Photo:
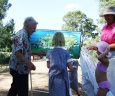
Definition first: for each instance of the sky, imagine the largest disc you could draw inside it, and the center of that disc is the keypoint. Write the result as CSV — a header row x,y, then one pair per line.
x,y
49,13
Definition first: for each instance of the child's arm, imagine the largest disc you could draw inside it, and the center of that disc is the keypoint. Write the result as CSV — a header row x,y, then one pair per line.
x,y
71,68
102,57
48,59
48,64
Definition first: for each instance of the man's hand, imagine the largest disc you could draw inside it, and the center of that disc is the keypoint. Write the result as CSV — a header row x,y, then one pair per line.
x,y
42,53
30,65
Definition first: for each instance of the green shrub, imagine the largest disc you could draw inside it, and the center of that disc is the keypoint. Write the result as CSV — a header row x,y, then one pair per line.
x,y
4,58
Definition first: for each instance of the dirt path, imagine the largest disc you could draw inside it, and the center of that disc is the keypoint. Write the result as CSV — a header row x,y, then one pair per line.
x,y
39,78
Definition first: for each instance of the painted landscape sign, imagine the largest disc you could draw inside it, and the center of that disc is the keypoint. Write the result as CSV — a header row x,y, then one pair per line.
x,y
42,39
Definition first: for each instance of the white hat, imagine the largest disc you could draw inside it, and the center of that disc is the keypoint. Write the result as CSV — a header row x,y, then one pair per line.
x,y
108,10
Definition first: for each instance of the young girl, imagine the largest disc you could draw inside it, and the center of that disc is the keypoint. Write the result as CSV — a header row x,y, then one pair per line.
x,y
103,53
58,59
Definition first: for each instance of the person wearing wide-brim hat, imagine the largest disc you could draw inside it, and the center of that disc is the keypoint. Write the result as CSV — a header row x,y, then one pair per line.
x,y
108,35
108,11
109,15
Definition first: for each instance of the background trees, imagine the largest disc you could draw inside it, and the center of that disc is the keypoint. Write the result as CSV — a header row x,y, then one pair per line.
x,y
78,21
6,30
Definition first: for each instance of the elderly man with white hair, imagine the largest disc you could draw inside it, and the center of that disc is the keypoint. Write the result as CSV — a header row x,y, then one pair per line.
x,y
20,61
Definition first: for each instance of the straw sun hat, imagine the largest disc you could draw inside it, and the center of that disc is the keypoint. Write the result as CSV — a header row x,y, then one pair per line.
x,y
108,10
102,47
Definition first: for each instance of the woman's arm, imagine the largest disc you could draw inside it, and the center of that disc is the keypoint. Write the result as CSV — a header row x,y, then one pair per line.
x,y
112,46
91,48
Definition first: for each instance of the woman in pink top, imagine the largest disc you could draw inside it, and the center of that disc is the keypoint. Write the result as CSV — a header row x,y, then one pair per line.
x,y
108,35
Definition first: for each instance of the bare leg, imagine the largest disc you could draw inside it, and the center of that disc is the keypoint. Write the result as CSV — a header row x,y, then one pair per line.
x,y
102,91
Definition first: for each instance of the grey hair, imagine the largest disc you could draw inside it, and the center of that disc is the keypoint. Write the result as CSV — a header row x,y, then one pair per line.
x,y
28,21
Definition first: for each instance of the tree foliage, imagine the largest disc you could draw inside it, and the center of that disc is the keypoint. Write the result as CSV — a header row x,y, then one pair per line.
x,y
6,30
4,6
105,3
78,21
